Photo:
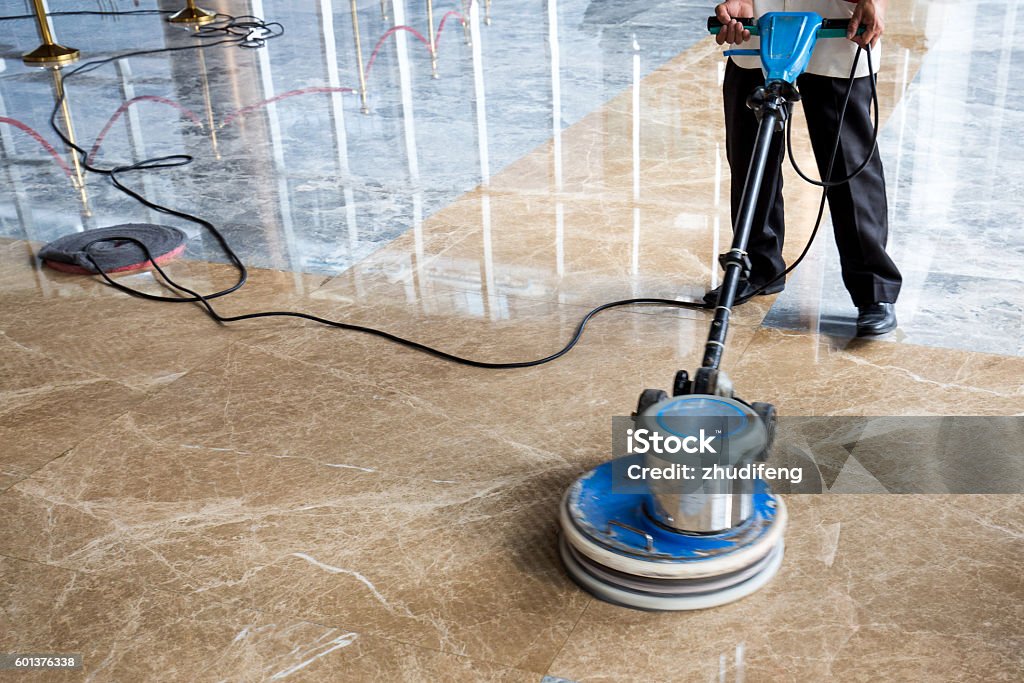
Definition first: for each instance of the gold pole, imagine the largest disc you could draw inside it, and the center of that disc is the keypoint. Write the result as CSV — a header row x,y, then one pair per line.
x,y
433,42
65,109
209,104
49,52
359,60
487,12
190,14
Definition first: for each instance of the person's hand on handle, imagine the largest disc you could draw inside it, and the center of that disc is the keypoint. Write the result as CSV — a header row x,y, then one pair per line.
x,y
871,13
732,31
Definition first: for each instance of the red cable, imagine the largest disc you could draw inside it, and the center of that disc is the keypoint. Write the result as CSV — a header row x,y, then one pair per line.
x,y
291,93
440,27
252,107
124,107
42,141
388,34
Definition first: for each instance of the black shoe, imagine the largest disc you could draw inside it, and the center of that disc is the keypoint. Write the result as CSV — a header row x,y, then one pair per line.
x,y
747,290
877,318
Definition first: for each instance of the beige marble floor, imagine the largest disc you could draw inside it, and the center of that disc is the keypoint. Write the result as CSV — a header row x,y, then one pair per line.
x,y
186,501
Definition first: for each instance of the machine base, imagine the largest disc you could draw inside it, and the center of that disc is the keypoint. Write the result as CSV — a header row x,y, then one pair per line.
x,y
614,548
627,591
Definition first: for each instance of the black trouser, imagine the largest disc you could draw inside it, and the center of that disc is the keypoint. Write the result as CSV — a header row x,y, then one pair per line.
x,y
859,208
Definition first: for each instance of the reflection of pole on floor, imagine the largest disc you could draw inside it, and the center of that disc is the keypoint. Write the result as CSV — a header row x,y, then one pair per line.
x,y
359,60
134,128
210,123
466,33
556,136
190,14
635,266
384,9
409,129
58,91
491,293
49,52
340,134
432,39
280,174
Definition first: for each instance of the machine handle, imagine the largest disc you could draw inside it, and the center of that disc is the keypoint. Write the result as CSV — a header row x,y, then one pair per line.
x,y
749,23
830,28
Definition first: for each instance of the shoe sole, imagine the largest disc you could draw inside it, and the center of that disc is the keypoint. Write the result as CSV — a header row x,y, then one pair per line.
x,y
767,292
870,332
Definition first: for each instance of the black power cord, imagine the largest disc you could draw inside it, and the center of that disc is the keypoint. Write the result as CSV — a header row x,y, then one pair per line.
x,y
252,32
244,31
91,12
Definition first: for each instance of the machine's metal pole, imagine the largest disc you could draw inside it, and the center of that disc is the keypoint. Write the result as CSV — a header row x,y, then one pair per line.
x,y
49,53
737,255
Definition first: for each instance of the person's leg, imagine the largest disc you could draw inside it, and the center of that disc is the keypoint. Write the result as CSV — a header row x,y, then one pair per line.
x,y
859,208
768,230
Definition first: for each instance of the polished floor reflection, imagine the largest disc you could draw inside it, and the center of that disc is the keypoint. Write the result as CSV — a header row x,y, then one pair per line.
x,y
276,500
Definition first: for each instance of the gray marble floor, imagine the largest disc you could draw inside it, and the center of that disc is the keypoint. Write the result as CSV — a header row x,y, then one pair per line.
x,y
300,180
307,182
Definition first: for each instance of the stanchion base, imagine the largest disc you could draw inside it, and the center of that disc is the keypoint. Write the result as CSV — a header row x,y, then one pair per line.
x,y
192,15
45,55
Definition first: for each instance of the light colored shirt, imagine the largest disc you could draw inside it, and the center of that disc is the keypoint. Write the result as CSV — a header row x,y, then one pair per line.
x,y
832,56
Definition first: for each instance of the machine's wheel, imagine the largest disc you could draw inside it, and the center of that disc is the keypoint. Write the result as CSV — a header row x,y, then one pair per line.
x,y
648,398
766,411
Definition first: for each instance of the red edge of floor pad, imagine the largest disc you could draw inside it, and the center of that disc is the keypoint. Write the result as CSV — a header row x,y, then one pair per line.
x,y
78,270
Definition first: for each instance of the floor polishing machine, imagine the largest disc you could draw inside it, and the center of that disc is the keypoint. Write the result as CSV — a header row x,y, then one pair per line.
x,y
631,532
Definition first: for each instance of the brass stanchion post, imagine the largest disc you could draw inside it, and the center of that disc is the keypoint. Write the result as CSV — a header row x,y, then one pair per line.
x,y
190,14
487,12
49,52
359,60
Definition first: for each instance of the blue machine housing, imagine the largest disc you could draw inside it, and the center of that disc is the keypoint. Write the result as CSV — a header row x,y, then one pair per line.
x,y
616,516
787,41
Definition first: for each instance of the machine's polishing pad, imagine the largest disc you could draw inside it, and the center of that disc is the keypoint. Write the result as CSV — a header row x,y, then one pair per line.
x,y
116,254
614,548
